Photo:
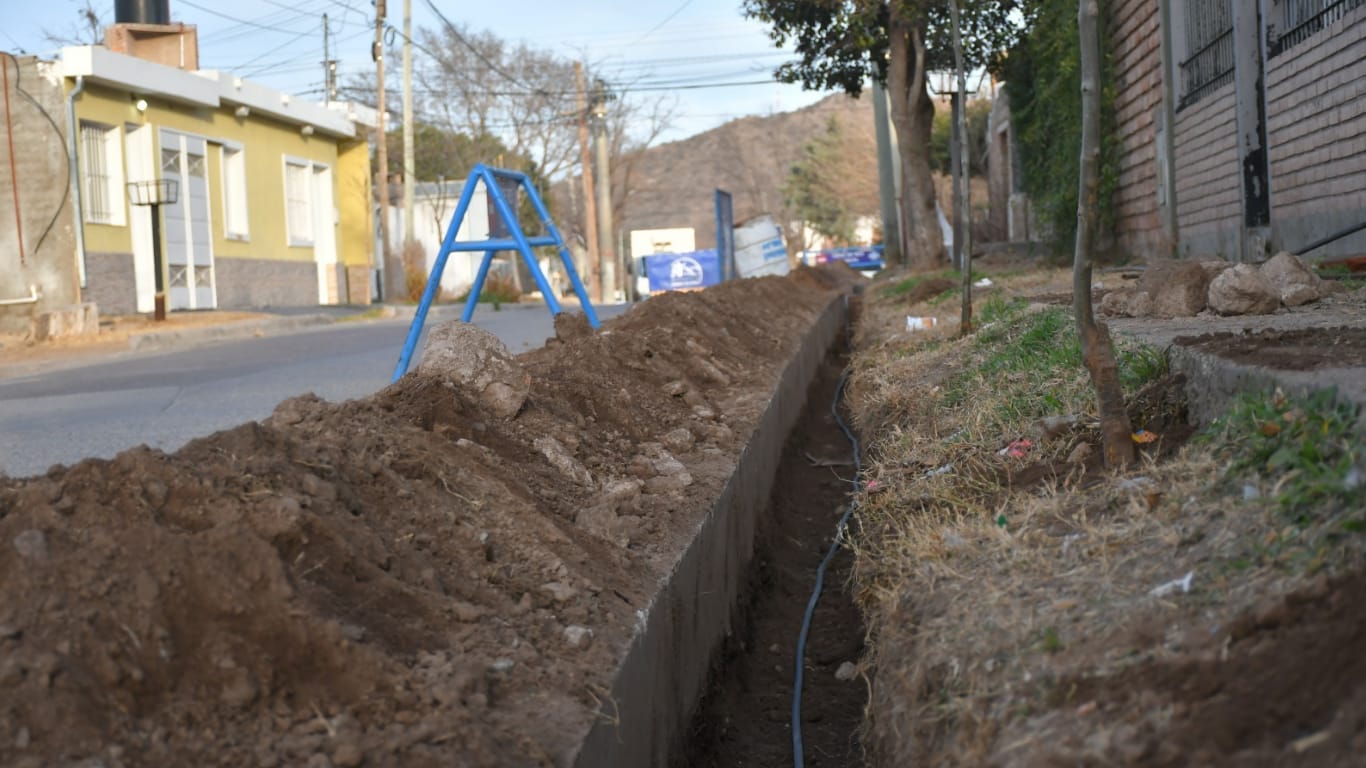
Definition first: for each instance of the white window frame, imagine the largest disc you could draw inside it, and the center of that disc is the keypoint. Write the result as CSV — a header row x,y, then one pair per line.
x,y
102,145
236,216
295,229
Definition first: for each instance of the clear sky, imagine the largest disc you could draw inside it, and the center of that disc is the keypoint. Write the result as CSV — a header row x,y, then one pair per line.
x,y
694,50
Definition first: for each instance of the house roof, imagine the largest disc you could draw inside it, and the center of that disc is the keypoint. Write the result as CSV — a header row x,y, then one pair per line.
x,y
204,88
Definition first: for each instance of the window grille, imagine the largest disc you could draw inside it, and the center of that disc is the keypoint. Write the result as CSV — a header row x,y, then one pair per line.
x,y
1209,49
1298,20
103,181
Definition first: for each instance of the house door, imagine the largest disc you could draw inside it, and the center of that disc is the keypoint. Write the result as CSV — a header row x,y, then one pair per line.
x,y
188,240
325,235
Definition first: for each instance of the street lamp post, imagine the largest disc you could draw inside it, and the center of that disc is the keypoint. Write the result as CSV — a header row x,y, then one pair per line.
x,y
155,193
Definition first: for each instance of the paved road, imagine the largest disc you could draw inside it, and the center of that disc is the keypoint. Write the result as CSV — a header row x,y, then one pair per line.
x,y
166,399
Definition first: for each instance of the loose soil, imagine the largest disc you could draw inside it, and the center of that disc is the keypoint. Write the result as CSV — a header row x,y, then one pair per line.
x,y
746,717
1300,350
405,579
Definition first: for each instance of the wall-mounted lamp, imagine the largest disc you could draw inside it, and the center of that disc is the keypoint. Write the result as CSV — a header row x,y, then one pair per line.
x,y
284,99
307,130
242,112
141,105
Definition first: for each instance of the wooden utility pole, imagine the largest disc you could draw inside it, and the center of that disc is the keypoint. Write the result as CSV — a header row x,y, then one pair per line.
x,y
409,164
590,215
393,268
611,275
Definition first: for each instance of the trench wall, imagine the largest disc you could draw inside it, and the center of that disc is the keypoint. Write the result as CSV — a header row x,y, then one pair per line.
x,y
662,677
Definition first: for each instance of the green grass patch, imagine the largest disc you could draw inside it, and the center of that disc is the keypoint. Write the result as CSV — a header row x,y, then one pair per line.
x,y
1029,364
905,286
1302,449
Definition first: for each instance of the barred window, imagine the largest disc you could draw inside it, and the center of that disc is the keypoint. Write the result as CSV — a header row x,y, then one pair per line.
x,y
1208,60
1294,21
102,168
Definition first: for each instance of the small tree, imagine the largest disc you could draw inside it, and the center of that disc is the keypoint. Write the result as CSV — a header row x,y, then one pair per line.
x,y
1097,349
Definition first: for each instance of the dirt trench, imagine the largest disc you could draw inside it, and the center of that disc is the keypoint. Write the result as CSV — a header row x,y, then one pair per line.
x,y
745,718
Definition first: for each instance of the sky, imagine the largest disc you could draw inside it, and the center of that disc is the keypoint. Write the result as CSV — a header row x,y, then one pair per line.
x,y
704,53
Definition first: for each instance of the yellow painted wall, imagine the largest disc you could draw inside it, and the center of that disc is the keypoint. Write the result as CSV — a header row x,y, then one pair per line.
x,y
266,142
355,217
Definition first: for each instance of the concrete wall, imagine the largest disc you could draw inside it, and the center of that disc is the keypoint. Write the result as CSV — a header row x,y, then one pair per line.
x,y
47,258
254,283
110,283
1316,108
1135,43
1209,206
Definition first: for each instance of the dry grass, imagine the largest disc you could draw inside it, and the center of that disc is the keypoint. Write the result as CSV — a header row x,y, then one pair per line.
x,y
985,602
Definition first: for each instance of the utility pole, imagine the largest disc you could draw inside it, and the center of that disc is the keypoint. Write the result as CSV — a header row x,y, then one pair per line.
x,y
590,214
393,268
409,165
329,66
886,178
604,184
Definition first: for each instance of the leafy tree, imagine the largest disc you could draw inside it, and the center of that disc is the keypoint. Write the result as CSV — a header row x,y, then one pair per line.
x,y
1043,83
840,43
941,137
827,188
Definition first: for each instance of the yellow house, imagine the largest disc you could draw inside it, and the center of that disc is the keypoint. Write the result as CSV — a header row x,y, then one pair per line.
x,y
273,204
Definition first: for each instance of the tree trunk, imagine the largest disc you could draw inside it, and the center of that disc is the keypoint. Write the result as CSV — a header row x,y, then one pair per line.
x,y
913,116
964,172
1097,349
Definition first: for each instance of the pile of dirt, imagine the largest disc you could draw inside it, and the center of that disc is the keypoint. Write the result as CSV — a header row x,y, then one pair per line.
x,y
422,577
1307,349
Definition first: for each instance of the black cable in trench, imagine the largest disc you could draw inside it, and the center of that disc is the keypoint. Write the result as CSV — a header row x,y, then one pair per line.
x,y
798,760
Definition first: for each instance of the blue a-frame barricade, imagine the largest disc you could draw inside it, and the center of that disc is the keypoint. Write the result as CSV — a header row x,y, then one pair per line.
x,y
516,241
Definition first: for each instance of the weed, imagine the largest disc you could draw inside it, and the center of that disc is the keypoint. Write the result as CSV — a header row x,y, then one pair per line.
x,y
906,286
1305,447
497,290
1051,642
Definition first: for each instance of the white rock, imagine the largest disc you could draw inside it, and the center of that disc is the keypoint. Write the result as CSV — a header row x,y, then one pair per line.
x,y
578,636
847,671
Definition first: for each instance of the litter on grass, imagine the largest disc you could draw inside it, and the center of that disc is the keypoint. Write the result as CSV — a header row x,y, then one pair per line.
x,y
1182,585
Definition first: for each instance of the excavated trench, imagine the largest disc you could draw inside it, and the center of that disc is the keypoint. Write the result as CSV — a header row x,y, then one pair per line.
x,y
745,717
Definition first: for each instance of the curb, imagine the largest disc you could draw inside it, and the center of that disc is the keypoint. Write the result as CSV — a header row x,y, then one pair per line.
x,y
158,340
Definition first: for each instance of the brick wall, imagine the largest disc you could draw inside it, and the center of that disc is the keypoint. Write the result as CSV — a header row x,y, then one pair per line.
x,y
256,283
110,282
1316,129
1209,203
1135,44
43,206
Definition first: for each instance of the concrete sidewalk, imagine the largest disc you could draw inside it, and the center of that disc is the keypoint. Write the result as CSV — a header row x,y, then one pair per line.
x,y
1213,381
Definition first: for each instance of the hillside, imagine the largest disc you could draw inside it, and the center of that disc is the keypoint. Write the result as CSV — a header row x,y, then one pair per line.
x,y
671,185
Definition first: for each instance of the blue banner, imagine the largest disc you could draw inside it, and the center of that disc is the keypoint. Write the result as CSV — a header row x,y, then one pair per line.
x,y
858,257
683,271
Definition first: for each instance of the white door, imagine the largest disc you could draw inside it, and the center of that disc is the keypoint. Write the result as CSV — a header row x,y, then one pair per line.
x,y
187,232
138,153
325,235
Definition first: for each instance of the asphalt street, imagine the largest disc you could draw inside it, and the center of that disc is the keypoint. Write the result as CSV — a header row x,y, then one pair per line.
x,y
166,399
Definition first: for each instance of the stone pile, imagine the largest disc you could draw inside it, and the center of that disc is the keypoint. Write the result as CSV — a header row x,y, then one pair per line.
x,y
1170,288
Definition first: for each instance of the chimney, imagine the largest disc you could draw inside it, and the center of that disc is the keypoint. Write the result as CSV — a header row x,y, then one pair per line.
x,y
143,28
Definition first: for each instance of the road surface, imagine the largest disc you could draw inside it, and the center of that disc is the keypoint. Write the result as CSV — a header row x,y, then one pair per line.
x,y
167,399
